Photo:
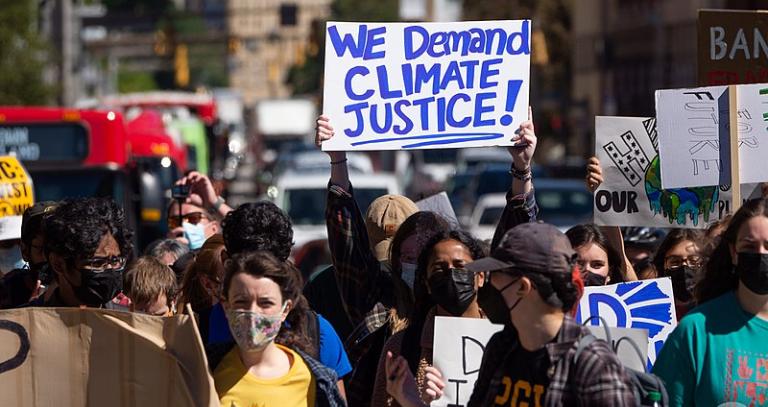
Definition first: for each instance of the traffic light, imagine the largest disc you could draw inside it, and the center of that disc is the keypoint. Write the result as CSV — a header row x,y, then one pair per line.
x,y
181,66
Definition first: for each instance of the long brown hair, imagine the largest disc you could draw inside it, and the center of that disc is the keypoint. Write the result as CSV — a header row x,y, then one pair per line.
x,y
719,276
209,265
264,264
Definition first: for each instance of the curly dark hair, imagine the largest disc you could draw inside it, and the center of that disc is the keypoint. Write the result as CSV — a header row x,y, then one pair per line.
x,y
583,234
258,226
411,348
293,333
75,228
719,274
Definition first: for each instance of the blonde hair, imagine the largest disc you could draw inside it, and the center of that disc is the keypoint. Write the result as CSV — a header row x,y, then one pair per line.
x,y
147,278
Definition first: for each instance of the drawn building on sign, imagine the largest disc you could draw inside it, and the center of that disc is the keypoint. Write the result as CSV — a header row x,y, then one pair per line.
x,y
630,158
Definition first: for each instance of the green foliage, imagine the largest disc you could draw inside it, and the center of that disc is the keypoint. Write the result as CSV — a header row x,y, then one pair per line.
x,y
132,81
22,56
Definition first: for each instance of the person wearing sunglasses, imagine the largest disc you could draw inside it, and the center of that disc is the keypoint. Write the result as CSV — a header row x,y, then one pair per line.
x,y
195,217
679,257
86,245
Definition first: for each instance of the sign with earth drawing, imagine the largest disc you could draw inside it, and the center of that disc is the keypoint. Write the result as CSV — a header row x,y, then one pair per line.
x,y
631,194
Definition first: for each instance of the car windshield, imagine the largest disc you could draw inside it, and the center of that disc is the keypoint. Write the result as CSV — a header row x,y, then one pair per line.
x,y
491,182
564,202
307,206
491,216
57,185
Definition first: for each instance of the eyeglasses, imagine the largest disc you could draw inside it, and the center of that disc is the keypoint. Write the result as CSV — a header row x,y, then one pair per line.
x,y
101,264
678,261
191,217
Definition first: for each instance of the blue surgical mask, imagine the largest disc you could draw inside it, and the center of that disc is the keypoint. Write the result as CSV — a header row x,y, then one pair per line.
x,y
10,259
408,273
195,234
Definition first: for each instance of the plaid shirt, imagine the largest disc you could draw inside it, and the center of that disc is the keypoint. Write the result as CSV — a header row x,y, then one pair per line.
x,y
597,380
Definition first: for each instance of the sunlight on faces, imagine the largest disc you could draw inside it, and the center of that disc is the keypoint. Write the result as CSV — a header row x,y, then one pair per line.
x,y
450,254
752,237
685,249
256,294
158,308
593,258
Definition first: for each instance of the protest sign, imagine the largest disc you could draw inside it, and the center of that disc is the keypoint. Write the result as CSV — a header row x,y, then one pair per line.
x,y
458,351
732,47
72,357
624,351
392,86
694,140
440,203
16,195
647,304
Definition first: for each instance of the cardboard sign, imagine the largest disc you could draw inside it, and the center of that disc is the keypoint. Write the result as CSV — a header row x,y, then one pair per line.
x,y
732,47
693,132
647,304
624,351
71,357
391,86
16,195
458,352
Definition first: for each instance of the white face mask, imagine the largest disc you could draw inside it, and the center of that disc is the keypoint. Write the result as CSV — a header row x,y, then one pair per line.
x,y
408,273
10,259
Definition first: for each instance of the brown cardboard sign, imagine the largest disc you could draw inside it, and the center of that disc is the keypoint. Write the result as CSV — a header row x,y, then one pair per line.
x,y
71,357
732,47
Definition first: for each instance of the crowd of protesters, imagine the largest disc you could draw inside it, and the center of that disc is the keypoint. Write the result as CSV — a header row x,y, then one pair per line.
x,y
364,334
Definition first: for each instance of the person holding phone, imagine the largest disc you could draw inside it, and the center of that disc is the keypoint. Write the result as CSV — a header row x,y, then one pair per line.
x,y
195,211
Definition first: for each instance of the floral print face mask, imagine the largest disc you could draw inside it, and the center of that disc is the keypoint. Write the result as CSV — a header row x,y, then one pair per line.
x,y
253,331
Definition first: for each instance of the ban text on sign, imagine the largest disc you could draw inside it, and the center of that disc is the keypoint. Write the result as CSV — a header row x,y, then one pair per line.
x,y
732,47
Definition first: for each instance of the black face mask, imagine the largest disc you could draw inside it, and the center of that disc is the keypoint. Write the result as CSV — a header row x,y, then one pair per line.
x,y
683,279
753,272
494,306
454,290
96,289
593,279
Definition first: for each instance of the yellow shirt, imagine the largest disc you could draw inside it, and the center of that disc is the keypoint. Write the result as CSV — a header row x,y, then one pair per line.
x,y
239,388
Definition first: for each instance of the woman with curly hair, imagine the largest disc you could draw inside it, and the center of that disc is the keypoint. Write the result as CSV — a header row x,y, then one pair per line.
x,y
268,366
717,354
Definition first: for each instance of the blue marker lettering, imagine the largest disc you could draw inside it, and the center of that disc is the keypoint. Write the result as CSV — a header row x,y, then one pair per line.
x,y
375,37
404,117
486,72
375,118
357,70
423,105
381,73
358,109
341,45
470,77
452,73
480,109
451,118
408,33
423,77
437,39
524,45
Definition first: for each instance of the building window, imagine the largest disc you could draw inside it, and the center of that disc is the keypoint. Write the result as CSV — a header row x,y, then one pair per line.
x,y
288,12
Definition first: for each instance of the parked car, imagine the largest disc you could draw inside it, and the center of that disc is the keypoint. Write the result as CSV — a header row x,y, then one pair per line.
x,y
562,202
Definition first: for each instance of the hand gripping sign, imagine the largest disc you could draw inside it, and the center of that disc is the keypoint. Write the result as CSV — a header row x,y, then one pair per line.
x,y
426,85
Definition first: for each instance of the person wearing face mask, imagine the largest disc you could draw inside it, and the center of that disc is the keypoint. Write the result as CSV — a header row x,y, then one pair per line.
x,y
443,287
196,218
679,257
86,243
531,287
717,353
599,261
268,365
372,290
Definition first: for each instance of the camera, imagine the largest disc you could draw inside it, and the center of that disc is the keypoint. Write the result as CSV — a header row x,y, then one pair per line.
x,y
180,191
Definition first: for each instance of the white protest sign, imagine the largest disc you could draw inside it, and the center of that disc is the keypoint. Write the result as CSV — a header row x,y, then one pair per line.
x,y
440,203
624,351
647,304
693,125
631,192
391,86
458,351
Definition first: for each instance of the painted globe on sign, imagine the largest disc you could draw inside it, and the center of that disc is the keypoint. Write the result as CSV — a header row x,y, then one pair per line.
x,y
678,204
